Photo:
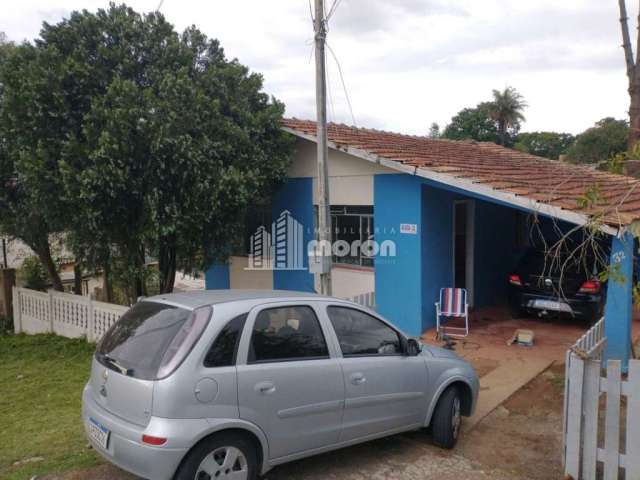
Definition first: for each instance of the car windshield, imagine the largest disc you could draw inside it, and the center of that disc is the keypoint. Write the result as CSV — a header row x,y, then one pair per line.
x,y
137,342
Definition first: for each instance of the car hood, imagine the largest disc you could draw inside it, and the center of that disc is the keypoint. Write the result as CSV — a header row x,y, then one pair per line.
x,y
439,352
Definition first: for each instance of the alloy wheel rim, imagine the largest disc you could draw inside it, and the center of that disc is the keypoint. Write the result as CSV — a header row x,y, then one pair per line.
x,y
456,417
223,462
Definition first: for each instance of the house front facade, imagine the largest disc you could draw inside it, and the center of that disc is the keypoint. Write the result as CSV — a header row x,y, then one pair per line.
x,y
411,215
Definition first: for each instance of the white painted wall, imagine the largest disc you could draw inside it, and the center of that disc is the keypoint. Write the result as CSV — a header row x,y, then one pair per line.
x,y
350,183
349,282
350,178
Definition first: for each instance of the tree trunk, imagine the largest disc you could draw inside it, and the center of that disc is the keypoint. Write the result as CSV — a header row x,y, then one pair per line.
x,y
167,264
502,132
107,287
43,251
634,115
77,278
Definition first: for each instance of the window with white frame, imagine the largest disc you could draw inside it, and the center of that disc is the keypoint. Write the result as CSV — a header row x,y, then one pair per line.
x,y
351,227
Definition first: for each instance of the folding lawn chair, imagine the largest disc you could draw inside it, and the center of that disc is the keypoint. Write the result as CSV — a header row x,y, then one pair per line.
x,y
452,305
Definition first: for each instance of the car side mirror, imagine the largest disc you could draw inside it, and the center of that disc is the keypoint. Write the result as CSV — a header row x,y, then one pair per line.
x,y
413,347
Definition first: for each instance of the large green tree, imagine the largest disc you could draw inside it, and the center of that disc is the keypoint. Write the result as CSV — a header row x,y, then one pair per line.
x,y
31,138
507,110
544,144
473,124
165,140
599,143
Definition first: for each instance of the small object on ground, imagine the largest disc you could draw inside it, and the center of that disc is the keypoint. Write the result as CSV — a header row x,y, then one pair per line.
x,y
522,337
28,460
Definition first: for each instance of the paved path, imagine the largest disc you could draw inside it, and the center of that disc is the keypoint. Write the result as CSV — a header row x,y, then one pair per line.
x,y
499,384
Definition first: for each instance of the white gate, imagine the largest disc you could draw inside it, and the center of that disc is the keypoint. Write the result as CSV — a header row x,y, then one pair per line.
x,y
602,413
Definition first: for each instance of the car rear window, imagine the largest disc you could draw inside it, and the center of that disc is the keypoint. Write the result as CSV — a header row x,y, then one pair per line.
x,y
138,341
537,262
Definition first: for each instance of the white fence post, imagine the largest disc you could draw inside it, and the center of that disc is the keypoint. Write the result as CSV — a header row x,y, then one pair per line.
x,y
17,323
50,312
633,422
90,323
612,421
574,417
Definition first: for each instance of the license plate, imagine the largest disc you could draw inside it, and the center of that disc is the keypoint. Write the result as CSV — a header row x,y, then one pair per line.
x,y
551,305
99,433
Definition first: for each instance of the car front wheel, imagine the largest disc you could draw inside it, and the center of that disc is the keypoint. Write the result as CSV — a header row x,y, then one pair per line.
x,y
223,456
447,419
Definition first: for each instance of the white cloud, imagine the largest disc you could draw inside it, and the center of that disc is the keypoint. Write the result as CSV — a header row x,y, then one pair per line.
x,y
408,63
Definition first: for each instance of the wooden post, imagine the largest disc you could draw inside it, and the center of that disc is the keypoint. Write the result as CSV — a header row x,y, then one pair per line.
x,y
7,282
17,311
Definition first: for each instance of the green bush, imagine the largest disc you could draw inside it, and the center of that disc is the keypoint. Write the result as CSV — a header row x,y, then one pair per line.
x,y
32,274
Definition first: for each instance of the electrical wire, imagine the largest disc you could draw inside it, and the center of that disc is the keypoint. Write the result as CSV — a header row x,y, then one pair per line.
x,y
332,10
332,110
159,5
344,85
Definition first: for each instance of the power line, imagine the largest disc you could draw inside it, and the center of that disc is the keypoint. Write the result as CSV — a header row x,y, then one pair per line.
x,y
332,10
344,85
159,5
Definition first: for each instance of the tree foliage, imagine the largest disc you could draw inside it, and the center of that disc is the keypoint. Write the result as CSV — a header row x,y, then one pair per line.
x,y
599,143
544,144
497,121
473,124
506,109
139,141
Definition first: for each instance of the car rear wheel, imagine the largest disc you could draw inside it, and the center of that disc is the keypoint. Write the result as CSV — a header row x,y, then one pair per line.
x,y
224,456
447,419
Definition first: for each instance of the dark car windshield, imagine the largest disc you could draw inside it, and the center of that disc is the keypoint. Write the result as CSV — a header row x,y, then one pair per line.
x,y
137,342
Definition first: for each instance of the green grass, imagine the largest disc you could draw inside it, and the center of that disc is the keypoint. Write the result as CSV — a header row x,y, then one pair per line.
x,y
41,382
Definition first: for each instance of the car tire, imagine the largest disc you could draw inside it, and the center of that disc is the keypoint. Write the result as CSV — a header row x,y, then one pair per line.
x,y
447,419
218,456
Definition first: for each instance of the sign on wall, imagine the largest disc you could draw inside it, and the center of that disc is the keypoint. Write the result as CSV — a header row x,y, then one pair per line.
x,y
409,228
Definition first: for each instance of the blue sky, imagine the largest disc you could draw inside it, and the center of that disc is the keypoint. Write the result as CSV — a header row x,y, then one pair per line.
x,y
408,63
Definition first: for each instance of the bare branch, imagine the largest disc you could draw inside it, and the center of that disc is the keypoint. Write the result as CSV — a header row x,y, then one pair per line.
x,y
626,40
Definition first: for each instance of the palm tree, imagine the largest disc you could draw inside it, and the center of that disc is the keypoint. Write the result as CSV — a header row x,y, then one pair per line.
x,y
506,110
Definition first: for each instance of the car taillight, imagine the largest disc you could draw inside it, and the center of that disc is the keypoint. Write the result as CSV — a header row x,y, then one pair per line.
x,y
155,441
515,280
184,341
590,286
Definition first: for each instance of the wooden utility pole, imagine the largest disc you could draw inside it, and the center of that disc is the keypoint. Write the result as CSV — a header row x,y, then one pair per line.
x,y
324,215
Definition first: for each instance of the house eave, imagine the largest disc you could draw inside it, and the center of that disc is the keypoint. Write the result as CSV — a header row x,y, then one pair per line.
x,y
467,185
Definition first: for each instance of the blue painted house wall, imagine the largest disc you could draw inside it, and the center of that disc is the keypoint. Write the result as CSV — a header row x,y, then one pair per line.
x,y
496,252
437,249
398,280
217,277
618,309
296,196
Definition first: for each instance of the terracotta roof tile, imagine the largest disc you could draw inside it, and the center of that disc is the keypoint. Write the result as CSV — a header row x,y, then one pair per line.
x,y
510,171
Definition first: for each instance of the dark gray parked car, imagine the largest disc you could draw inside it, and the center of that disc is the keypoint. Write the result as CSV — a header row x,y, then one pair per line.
x,y
228,384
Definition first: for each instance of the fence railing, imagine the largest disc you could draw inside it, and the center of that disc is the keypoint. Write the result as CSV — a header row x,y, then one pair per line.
x,y
601,413
64,314
364,299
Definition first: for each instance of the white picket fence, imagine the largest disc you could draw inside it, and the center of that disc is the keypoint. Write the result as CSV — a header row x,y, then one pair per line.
x,y
64,314
601,438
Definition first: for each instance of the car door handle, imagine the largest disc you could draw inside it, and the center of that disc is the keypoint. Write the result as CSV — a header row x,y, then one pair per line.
x,y
265,388
357,378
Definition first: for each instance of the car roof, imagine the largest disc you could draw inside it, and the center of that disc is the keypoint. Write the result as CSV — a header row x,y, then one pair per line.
x,y
201,298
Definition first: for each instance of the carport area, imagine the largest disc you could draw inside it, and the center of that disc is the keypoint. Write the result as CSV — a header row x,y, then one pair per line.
x,y
504,369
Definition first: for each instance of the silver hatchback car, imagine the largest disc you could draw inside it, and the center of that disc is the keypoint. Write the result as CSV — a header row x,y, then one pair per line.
x,y
230,383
